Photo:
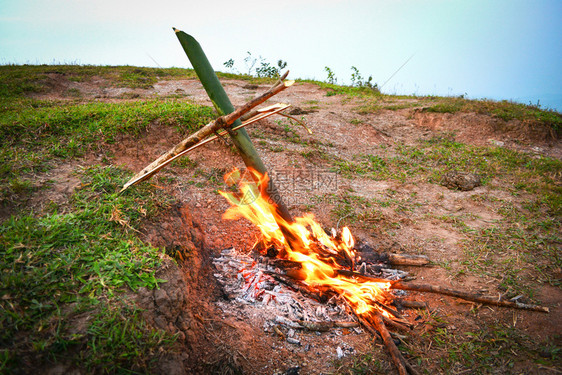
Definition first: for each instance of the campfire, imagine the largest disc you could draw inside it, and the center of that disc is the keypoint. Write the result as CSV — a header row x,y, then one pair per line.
x,y
354,282
317,260
310,260
301,255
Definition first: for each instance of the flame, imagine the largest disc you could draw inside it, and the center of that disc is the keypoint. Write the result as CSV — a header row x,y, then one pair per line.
x,y
316,251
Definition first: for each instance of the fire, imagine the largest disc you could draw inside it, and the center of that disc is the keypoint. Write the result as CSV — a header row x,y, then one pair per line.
x,y
315,250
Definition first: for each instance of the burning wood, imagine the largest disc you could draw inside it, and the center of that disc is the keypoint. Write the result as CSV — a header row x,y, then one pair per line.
x,y
250,282
323,266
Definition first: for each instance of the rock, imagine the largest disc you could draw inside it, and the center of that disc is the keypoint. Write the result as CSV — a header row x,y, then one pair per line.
x,y
160,322
299,111
496,143
250,87
172,365
461,180
160,297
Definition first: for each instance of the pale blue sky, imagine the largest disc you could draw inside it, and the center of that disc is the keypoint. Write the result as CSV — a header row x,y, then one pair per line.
x,y
505,49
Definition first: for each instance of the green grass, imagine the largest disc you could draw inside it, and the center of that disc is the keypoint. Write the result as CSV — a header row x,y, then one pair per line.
x,y
487,350
96,121
431,159
351,91
65,269
365,364
56,266
20,80
519,251
35,136
376,215
291,131
119,341
504,110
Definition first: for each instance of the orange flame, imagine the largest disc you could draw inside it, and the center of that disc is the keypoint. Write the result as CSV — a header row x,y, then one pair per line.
x,y
319,251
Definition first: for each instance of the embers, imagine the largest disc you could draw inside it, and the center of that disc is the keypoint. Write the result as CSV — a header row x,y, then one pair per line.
x,y
252,282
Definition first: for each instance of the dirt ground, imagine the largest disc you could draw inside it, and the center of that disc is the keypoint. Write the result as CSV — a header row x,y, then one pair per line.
x,y
215,339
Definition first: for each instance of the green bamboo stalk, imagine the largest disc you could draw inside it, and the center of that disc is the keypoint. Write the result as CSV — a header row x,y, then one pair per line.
x,y
222,103
218,97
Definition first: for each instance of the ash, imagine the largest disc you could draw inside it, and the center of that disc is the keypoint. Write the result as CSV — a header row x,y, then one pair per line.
x,y
250,283
298,320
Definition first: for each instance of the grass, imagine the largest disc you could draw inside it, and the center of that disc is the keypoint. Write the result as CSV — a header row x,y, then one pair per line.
x,y
370,105
35,136
486,350
18,80
504,250
373,102
369,363
66,269
291,133
57,266
351,91
504,110
431,159
381,214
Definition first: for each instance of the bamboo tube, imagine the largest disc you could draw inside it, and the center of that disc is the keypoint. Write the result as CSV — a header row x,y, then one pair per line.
x,y
223,105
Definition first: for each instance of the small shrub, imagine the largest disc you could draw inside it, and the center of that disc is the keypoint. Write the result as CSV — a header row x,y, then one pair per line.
x,y
331,76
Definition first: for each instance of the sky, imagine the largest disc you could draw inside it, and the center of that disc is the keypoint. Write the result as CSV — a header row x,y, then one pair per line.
x,y
495,49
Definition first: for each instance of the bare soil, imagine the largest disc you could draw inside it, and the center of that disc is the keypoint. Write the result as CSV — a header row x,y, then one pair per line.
x,y
212,340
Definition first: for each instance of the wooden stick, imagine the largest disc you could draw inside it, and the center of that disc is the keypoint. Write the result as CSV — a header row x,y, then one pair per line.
x,y
259,116
408,259
222,103
465,295
348,273
397,324
207,130
401,364
399,361
406,303
342,324
315,326
397,358
391,311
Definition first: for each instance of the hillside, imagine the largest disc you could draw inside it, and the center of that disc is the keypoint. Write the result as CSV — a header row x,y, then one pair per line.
x,y
97,282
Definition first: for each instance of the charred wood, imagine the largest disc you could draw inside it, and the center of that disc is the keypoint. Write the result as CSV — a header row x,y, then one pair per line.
x,y
401,364
466,296
408,260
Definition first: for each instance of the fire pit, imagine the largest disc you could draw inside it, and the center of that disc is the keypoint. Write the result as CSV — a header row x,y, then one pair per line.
x,y
316,282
